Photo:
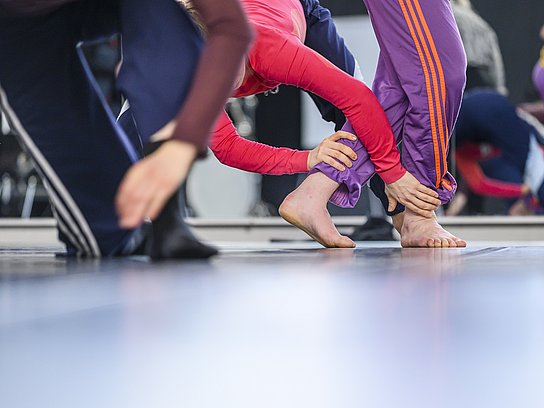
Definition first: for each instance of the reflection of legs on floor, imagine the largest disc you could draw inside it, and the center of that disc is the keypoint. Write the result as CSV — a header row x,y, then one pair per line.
x,y
306,208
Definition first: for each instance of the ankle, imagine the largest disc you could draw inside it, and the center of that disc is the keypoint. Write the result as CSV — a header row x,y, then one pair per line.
x,y
319,187
398,221
410,216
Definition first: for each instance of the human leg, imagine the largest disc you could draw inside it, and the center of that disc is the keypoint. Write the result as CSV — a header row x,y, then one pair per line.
x,y
306,208
423,43
64,125
156,81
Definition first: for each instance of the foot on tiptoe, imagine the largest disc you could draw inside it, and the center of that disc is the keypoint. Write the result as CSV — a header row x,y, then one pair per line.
x,y
304,211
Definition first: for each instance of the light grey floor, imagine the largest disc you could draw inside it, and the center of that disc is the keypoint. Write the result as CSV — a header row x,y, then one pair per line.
x,y
275,325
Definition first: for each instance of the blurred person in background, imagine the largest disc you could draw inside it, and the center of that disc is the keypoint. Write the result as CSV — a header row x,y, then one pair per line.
x,y
498,147
499,153
485,66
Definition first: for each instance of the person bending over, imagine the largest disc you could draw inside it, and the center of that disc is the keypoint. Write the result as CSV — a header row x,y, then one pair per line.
x,y
53,103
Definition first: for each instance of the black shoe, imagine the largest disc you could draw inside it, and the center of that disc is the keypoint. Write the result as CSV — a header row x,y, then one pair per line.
x,y
171,237
138,242
375,229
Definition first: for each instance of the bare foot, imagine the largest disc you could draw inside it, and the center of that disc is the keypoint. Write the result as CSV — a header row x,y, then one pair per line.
x,y
421,232
398,220
306,209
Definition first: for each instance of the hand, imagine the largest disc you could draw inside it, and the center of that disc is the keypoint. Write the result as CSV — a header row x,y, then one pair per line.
x,y
414,195
150,182
329,151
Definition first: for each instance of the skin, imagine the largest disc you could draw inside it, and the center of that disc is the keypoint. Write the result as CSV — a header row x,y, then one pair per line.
x,y
306,209
148,184
151,182
414,195
333,153
423,232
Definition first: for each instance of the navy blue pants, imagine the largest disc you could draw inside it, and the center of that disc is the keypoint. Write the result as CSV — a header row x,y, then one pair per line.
x,y
488,117
322,37
54,104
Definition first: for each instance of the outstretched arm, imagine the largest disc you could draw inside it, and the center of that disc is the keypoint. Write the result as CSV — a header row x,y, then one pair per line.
x,y
288,61
233,150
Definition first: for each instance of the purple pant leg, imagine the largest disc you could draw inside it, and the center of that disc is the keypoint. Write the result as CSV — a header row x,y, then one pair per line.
x,y
395,104
538,76
427,82
351,179
419,88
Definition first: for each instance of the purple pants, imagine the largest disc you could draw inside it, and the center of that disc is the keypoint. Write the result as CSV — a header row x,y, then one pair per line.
x,y
419,82
538,76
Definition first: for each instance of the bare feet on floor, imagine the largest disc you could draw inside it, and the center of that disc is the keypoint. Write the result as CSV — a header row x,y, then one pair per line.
x,y
306,209
420,232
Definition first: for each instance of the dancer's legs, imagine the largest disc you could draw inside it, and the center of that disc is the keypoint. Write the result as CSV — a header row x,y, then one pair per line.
x,y
52,104
419,82
422,58
306,208
159,61
432,53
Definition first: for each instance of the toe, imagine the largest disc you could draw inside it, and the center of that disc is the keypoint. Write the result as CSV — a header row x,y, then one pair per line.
x,y
460,243
345,242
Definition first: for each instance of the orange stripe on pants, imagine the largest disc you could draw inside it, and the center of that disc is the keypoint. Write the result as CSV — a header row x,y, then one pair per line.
x,y
415,39
438,106
445,141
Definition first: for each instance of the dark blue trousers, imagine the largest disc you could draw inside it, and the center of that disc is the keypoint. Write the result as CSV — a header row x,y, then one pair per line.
x,y
53,103
488,117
